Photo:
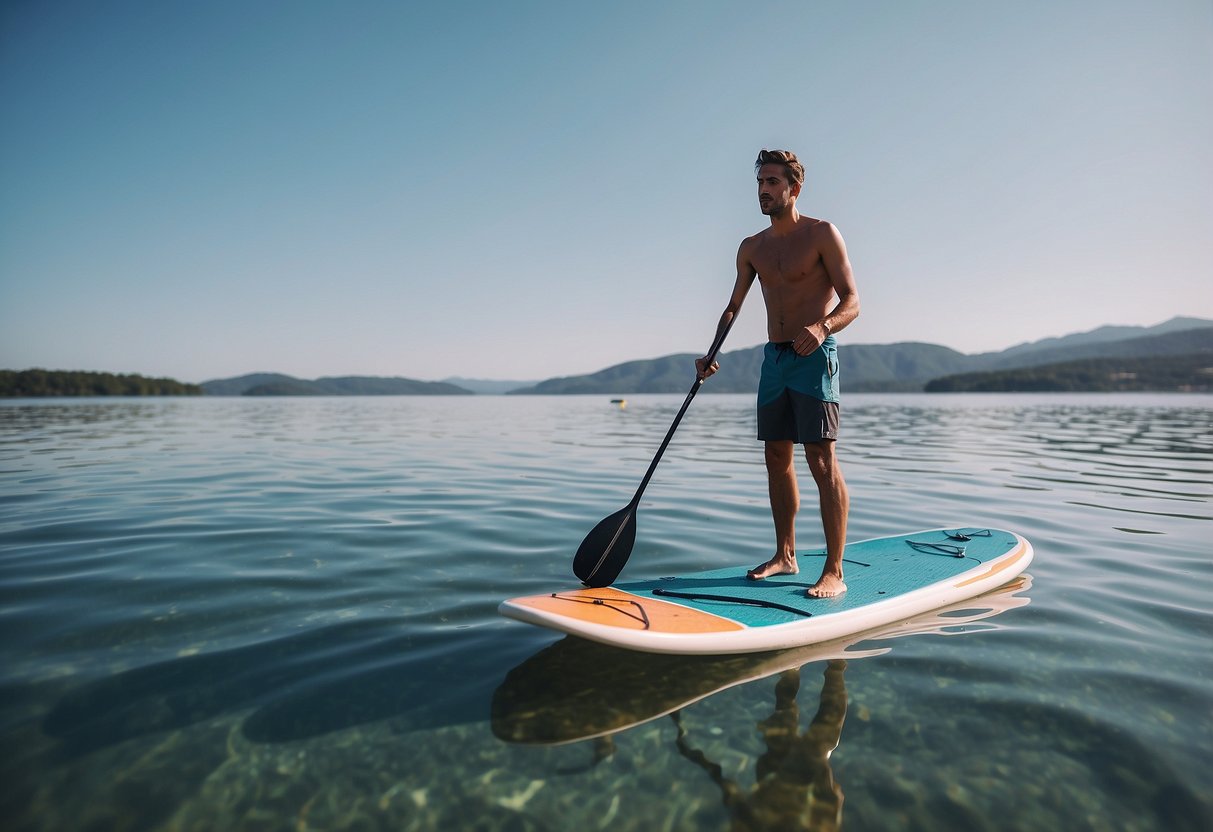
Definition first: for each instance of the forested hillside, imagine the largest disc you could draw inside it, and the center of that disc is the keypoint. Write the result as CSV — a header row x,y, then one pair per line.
x,y
39,383
1172,373
277,384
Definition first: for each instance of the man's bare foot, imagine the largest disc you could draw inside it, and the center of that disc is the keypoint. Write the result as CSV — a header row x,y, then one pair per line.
x,y
778,565
829,586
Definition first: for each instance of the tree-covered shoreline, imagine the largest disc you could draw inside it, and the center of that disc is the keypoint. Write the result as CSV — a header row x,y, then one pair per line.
x,y
1174,373
38,383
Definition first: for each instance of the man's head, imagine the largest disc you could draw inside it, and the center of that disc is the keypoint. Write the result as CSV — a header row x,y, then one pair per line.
x,y
793,171
780,176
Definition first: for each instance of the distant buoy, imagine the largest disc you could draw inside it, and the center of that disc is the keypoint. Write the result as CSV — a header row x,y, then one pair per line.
x,y
623,403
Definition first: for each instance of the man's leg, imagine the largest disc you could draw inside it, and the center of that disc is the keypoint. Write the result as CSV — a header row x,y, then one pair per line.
x,y
835,505
785,500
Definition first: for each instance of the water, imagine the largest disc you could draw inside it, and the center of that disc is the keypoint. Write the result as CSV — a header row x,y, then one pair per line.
x,y
281,614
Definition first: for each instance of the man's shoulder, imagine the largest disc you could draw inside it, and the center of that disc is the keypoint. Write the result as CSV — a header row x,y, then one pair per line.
x,y
822,233
755,239
813,225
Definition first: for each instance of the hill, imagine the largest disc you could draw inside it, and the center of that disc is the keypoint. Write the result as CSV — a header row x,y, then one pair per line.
x,y
904,367
276,384
895,368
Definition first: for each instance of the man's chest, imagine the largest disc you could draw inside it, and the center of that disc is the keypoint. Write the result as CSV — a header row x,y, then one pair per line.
x,y
790,261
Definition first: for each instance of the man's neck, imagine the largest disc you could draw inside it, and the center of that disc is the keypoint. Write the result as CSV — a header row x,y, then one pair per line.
x,y
785,222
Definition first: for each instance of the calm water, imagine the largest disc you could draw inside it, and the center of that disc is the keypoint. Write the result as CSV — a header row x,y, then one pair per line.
x,y
281,614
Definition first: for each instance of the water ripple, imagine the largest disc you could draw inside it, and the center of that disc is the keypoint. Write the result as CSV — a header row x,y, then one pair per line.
x,y
327,571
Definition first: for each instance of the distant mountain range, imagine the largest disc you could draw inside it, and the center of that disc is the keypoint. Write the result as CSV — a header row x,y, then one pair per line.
x,y
1176,355
903,367
1104,334
488,386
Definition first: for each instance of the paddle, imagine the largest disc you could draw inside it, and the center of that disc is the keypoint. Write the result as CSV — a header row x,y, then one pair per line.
x,y
606,549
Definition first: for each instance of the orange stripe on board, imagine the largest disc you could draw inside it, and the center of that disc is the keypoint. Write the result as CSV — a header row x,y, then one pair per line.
x,y
616,608
1006,563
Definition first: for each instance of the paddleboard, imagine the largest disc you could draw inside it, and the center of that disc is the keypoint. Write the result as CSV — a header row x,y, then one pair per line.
x,y
575,690
721,611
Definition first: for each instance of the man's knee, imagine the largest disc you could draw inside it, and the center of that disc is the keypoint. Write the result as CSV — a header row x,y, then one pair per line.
x,y
779,455
822,461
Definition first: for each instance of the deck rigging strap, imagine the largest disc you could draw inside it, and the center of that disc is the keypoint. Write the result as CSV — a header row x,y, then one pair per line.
x,y
609,603
948,549
732,599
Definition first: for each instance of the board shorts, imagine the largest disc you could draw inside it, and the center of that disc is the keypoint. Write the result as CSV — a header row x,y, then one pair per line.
x,y
798,394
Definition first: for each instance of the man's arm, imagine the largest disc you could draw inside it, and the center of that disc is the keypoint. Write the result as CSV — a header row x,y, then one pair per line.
x,y
838,267
745,279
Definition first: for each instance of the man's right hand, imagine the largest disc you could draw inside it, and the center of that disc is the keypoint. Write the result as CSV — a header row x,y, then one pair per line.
x,y
703,369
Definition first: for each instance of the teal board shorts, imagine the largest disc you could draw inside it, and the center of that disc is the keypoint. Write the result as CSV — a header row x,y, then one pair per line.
x,y
798,394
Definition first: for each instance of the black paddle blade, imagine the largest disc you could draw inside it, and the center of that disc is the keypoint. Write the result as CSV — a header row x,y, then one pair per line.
x,y
606,549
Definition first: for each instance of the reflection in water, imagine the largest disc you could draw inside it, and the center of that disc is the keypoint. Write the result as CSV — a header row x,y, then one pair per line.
x,y
580,690
795,788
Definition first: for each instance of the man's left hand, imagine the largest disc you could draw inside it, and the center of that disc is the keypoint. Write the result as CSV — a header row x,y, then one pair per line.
x,y
809,339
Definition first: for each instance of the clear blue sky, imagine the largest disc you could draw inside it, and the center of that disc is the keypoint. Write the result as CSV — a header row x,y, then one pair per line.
x,y
522,190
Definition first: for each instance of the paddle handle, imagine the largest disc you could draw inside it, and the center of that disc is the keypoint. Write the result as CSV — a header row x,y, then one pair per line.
x,y
711,356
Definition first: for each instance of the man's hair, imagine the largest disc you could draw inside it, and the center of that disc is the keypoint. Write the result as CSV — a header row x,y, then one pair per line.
x,y
791,165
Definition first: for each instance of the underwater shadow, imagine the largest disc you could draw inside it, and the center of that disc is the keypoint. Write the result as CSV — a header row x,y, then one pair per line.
x,y
300,686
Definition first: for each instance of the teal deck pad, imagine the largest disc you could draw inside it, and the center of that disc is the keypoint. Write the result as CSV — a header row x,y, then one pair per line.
x,y
874,571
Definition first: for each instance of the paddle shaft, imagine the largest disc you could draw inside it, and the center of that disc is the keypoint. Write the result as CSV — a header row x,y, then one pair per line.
x,y
605,550
711,356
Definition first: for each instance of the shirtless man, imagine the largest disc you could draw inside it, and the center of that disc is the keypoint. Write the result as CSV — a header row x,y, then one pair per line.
x,y
810,294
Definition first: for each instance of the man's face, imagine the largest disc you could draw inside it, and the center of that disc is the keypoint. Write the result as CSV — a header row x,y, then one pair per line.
x,y
775,192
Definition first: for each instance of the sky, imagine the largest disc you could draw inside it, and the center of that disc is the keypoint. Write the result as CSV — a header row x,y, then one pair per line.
x,y
522,190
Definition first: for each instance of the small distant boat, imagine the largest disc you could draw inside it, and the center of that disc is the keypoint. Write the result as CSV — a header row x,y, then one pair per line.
x,y
621,402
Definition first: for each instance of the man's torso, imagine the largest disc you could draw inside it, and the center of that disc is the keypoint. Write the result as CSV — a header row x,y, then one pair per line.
x,y
795,284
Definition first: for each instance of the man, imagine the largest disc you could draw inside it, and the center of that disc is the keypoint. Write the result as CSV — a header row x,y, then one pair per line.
x,y
810,294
